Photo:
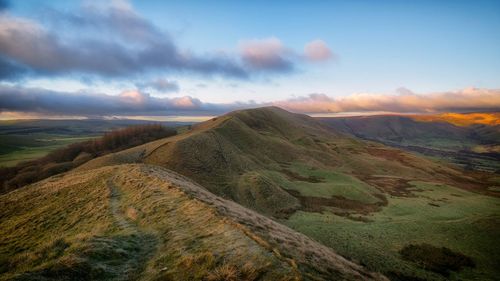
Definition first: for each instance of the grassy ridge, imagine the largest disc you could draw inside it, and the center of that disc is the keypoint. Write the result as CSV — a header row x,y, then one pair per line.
x,y
145,223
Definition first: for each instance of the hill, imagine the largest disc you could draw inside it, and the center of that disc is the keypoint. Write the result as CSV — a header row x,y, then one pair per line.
x,y
468,140
363,199
140,222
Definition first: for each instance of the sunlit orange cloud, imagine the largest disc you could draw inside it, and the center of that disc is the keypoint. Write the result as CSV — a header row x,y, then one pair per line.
x,y
405,101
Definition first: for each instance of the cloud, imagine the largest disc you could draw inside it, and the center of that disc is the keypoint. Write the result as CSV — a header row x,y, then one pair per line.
x,y
10,70
266,54
317,50
137,102
270,54
132,102
471,99
161,85
112,40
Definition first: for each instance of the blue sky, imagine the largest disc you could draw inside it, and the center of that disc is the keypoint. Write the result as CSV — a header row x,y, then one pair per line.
x,y
378,48
381,45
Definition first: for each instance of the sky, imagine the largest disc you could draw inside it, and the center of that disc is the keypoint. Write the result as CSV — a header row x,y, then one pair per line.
x,y
153,59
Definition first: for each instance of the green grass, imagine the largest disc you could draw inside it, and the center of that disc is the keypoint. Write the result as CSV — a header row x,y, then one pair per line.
x,y
441,143
19,148
332,183
464,222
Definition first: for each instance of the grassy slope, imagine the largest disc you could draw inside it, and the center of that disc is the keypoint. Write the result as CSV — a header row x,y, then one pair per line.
x,y
462,119
465,222
468,144
279,163
146,223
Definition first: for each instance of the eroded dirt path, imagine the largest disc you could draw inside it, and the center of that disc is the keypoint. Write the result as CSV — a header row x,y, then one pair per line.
x,y
114,205
134,245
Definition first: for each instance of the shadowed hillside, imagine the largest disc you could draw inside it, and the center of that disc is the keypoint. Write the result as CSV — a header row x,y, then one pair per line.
x,y
139,222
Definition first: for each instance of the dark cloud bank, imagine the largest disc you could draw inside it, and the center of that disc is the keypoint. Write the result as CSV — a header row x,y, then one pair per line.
x,y
114,41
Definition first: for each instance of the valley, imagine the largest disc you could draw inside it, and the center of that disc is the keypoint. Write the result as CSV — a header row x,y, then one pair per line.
x,y
468,140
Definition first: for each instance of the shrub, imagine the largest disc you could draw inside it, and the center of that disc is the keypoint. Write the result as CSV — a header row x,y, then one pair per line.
x,y
438,259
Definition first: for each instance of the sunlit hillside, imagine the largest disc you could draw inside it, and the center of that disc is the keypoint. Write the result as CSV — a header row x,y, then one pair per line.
x,y
461,119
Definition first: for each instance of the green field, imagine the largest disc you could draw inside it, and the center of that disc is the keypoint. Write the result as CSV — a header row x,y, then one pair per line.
x,y
23,140
18,148
439,215
326,183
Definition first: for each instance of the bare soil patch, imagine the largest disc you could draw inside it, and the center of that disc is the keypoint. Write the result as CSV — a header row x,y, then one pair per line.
x,y
297,177
318,204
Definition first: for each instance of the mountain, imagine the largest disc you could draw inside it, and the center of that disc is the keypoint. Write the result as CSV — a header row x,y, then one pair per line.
x,y
248,153
360,198
469,140
398,213
142,222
